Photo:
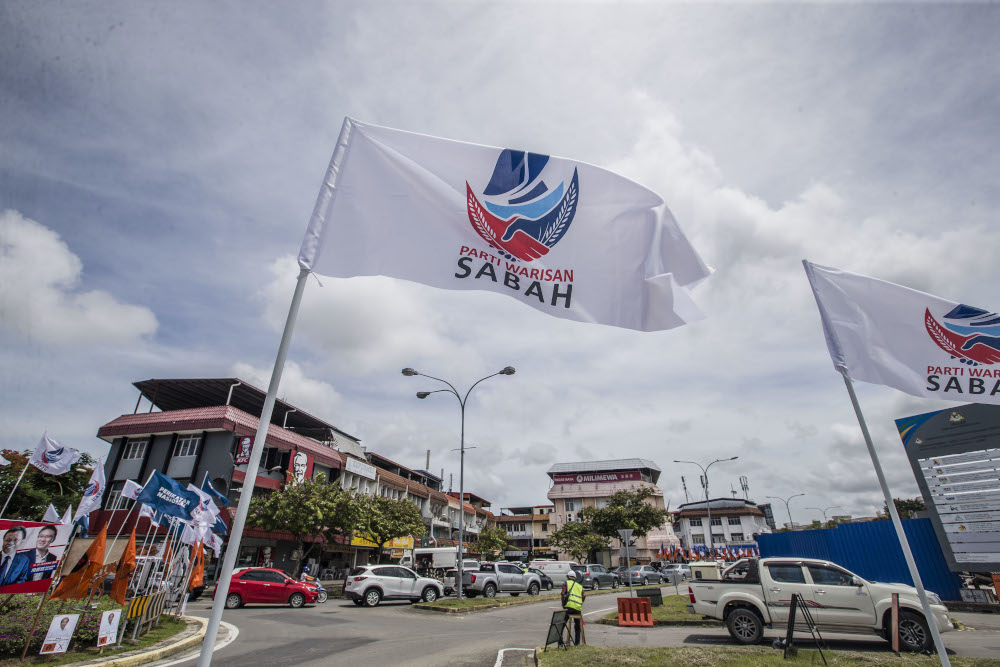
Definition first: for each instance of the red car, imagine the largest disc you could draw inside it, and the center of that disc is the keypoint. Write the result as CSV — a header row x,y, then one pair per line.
x,y
268,586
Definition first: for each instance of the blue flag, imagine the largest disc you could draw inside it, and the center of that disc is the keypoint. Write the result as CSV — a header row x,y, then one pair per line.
x,y
219,499
219,527
168,496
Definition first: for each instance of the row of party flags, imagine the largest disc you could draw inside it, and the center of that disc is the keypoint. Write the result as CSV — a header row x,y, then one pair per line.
x,y
673,553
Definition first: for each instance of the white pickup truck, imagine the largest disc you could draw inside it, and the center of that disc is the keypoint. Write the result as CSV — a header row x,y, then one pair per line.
x,y
754,593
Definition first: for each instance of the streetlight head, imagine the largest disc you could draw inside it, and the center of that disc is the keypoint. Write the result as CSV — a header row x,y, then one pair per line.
x,y
423,394
734,458
509,370
409,371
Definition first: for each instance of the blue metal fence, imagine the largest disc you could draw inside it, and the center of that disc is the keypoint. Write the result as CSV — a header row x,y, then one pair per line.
x,y
872,551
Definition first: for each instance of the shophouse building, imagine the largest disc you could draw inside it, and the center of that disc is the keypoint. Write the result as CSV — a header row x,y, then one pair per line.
x,y
529,529
590,484
735,523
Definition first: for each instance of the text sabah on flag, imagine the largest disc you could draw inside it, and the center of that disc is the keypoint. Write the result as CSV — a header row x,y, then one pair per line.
x,y
570,239
888,334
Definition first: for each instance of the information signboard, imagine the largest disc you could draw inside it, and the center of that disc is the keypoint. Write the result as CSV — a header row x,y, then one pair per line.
x,y
955,456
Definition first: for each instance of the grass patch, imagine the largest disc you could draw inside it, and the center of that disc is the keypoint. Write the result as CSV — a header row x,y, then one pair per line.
x,y
735,656
673,611
169,626
479,602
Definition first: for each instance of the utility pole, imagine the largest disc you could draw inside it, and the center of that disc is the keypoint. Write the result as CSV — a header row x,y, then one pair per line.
x,y
684,484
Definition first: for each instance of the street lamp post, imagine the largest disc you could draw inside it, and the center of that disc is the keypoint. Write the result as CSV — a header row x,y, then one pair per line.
x,y
708,503
824,511
509,370
787,508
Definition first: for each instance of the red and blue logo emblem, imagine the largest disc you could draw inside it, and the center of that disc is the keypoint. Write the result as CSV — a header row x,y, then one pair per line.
x,y
52,456
969,334
520,214
93,489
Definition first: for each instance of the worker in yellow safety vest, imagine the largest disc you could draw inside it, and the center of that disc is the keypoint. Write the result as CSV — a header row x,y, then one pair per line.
x,y
572,602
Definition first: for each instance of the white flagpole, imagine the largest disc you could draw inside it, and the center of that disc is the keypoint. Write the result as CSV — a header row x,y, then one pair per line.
x,y
135,504
236,534
16,484
898,525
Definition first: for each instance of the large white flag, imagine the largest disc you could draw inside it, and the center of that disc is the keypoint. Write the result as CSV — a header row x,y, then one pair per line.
x,y
51,457
91,499
51,515
888,334
131,490
570,239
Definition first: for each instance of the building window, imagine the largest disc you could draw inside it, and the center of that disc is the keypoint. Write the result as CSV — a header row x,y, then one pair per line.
x,y
734,521
695,522
135,450
602,503
716,522
187,445
545,526
697,539
114,493
572,504
736,537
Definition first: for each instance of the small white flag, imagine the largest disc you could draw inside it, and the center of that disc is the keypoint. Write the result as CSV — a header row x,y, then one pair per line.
x,y
3,461
92,495
214,542
51,457
131,490
207,511
194,533
67,518
884,333
149,513
51,515
567,238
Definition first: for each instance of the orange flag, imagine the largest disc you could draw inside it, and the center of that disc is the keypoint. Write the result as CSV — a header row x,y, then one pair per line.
x,y
198,571
75,585
126,565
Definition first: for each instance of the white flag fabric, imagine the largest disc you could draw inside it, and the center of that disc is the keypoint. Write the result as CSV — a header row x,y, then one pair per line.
x,y
884,333
567,238
51,515
131,490
67,518
92,495
149,513
3,461
207,511
214,542
51,457
194,533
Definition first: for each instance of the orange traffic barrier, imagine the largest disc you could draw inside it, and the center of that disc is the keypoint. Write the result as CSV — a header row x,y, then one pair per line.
x,y
635,612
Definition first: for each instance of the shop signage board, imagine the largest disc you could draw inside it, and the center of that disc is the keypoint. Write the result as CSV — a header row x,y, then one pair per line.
x,y
358,468
599,477
955,456
395,543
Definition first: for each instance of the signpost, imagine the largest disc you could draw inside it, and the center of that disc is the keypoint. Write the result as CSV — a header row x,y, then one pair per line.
x,y
626,537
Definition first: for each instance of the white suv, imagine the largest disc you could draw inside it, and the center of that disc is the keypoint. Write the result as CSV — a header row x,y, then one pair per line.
x,y
370,584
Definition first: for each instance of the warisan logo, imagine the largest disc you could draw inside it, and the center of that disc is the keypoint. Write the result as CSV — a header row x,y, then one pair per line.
x,y
970,336
52,456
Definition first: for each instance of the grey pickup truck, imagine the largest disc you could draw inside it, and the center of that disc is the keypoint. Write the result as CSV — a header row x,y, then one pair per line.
x,y
493,578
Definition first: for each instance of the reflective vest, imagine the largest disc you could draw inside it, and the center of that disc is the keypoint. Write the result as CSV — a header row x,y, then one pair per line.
x,y
574,595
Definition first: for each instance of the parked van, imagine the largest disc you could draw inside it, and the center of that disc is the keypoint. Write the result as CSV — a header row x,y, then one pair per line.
x,y
555,569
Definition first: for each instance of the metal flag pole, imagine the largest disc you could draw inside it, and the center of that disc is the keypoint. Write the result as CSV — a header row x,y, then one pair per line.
x,y
122,526
898,525
236,533
16,484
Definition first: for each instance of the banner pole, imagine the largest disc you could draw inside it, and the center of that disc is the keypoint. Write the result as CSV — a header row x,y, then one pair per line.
x,y
898,525
16,484
236,533
135,503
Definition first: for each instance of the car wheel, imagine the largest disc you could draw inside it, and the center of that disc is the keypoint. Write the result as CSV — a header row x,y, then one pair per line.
x,y
745,626
430,594
595,585
614,583
549,586
914,635
645,581
372,597
533,589
490,591
296,600
233,600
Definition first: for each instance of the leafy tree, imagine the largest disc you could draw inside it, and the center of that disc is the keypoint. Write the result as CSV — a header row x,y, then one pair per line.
x,y
493,541
578,538
382,519
37,489
313,510
905,507
626,509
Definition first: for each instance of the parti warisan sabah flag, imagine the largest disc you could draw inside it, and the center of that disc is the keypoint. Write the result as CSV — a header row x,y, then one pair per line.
x,y
570,239
884,333
51,457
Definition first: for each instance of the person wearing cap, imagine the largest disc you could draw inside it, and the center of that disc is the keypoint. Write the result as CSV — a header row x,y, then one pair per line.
x,y
572,601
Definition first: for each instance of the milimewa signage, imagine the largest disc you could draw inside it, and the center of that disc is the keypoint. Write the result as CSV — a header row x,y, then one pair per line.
x,y
583,478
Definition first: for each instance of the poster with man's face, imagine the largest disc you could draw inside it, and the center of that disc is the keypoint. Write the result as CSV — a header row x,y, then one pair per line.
x,y
60,633
299,463
30,554
108,630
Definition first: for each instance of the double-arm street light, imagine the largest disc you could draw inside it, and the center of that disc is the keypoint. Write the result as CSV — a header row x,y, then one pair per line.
x,y
791,524
824,511
708,503
509,370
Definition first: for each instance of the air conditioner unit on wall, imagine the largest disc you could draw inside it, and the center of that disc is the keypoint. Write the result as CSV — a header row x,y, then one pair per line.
x,y
569,518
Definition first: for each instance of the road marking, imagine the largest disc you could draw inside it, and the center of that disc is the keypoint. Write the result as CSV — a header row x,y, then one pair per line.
x,y
500,653
234,632
599,611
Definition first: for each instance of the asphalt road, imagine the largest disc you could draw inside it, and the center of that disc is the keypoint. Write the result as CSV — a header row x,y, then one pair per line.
x,y
339,633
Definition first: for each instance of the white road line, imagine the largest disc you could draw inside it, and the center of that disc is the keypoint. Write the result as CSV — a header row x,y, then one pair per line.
x,y
234,632
500,653
600,611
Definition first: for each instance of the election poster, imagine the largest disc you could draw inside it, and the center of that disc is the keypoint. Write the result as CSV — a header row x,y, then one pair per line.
x,y
108,630
31,552
60,633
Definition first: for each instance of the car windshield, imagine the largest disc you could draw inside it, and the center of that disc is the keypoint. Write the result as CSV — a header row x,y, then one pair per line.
x,y
358,570
579,568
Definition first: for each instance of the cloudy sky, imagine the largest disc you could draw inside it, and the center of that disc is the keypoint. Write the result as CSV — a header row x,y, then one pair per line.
x,y
159,161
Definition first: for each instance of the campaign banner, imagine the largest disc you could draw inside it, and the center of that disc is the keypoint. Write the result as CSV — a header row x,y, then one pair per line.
x,y
60,633
168,496
600,477
107,633
31,552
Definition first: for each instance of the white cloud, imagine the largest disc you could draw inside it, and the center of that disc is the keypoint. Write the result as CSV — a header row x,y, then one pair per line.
x,y
317,397
40,296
